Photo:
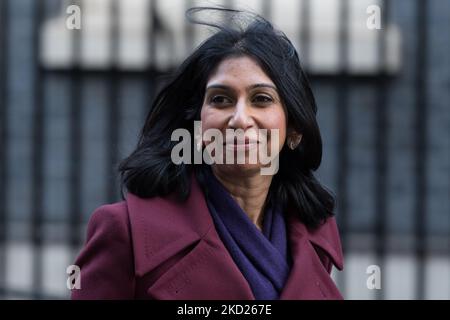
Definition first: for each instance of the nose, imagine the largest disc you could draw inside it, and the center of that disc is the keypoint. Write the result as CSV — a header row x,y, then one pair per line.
x,y
242,117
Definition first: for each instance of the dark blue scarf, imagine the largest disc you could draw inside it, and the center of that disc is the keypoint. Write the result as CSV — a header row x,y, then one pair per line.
x,y
262,257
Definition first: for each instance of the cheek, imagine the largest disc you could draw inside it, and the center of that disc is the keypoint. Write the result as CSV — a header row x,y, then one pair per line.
x,y
207,118
277,120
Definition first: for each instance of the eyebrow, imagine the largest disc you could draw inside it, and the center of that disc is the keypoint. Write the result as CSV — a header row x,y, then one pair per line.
x,y
253,86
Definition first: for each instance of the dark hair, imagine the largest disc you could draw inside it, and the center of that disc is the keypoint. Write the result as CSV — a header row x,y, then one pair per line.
x,y
149,170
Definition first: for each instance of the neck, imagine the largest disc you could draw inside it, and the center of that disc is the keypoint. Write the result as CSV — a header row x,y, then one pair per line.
x,y
249,191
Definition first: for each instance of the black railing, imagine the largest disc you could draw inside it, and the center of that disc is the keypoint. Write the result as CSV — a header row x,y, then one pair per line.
x,y
381,151
4,114
38,147
421,117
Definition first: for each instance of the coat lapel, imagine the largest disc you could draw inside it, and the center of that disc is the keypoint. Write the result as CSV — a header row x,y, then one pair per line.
x,y
179,244
205,273
313,253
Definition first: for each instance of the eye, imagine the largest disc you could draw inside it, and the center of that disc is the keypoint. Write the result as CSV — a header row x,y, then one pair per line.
x,y
220,100
262,99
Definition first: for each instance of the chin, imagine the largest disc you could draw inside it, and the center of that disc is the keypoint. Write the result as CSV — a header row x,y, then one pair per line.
x,y
240,169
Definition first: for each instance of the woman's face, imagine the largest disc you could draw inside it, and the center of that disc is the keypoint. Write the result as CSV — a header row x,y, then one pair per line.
x,y
240,95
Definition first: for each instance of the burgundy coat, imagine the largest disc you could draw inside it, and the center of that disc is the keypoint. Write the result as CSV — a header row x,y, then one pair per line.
x,y
160,249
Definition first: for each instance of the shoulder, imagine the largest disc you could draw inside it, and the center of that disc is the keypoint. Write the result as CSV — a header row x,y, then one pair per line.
x,y
106,259
161,226
109,219
110,212
166,217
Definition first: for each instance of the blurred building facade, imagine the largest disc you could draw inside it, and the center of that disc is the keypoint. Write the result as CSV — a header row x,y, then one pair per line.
x,y
72,103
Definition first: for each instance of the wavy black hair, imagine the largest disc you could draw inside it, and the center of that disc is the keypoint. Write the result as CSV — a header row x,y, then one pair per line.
x,y
149,170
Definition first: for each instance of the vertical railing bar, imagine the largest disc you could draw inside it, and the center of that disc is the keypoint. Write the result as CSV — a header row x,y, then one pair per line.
x,y
75,169
38,151
342,129
305,27
4,181
149,74
229,4
113,125
152,7
267,9
381,149
421,118
189,30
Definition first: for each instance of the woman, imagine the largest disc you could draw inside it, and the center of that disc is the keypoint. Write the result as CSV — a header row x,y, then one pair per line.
x,y
221,229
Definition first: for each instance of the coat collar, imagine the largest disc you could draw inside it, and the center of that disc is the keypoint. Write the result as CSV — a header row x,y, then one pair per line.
x,y
309,271
326,237
162,227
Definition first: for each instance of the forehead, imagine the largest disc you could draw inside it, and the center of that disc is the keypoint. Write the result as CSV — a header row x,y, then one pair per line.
x,y
238,70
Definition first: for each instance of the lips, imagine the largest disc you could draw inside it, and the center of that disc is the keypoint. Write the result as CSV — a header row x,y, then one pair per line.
x,y
240,142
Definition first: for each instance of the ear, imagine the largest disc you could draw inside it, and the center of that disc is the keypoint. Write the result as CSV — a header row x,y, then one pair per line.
x,y
297,136
293,138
